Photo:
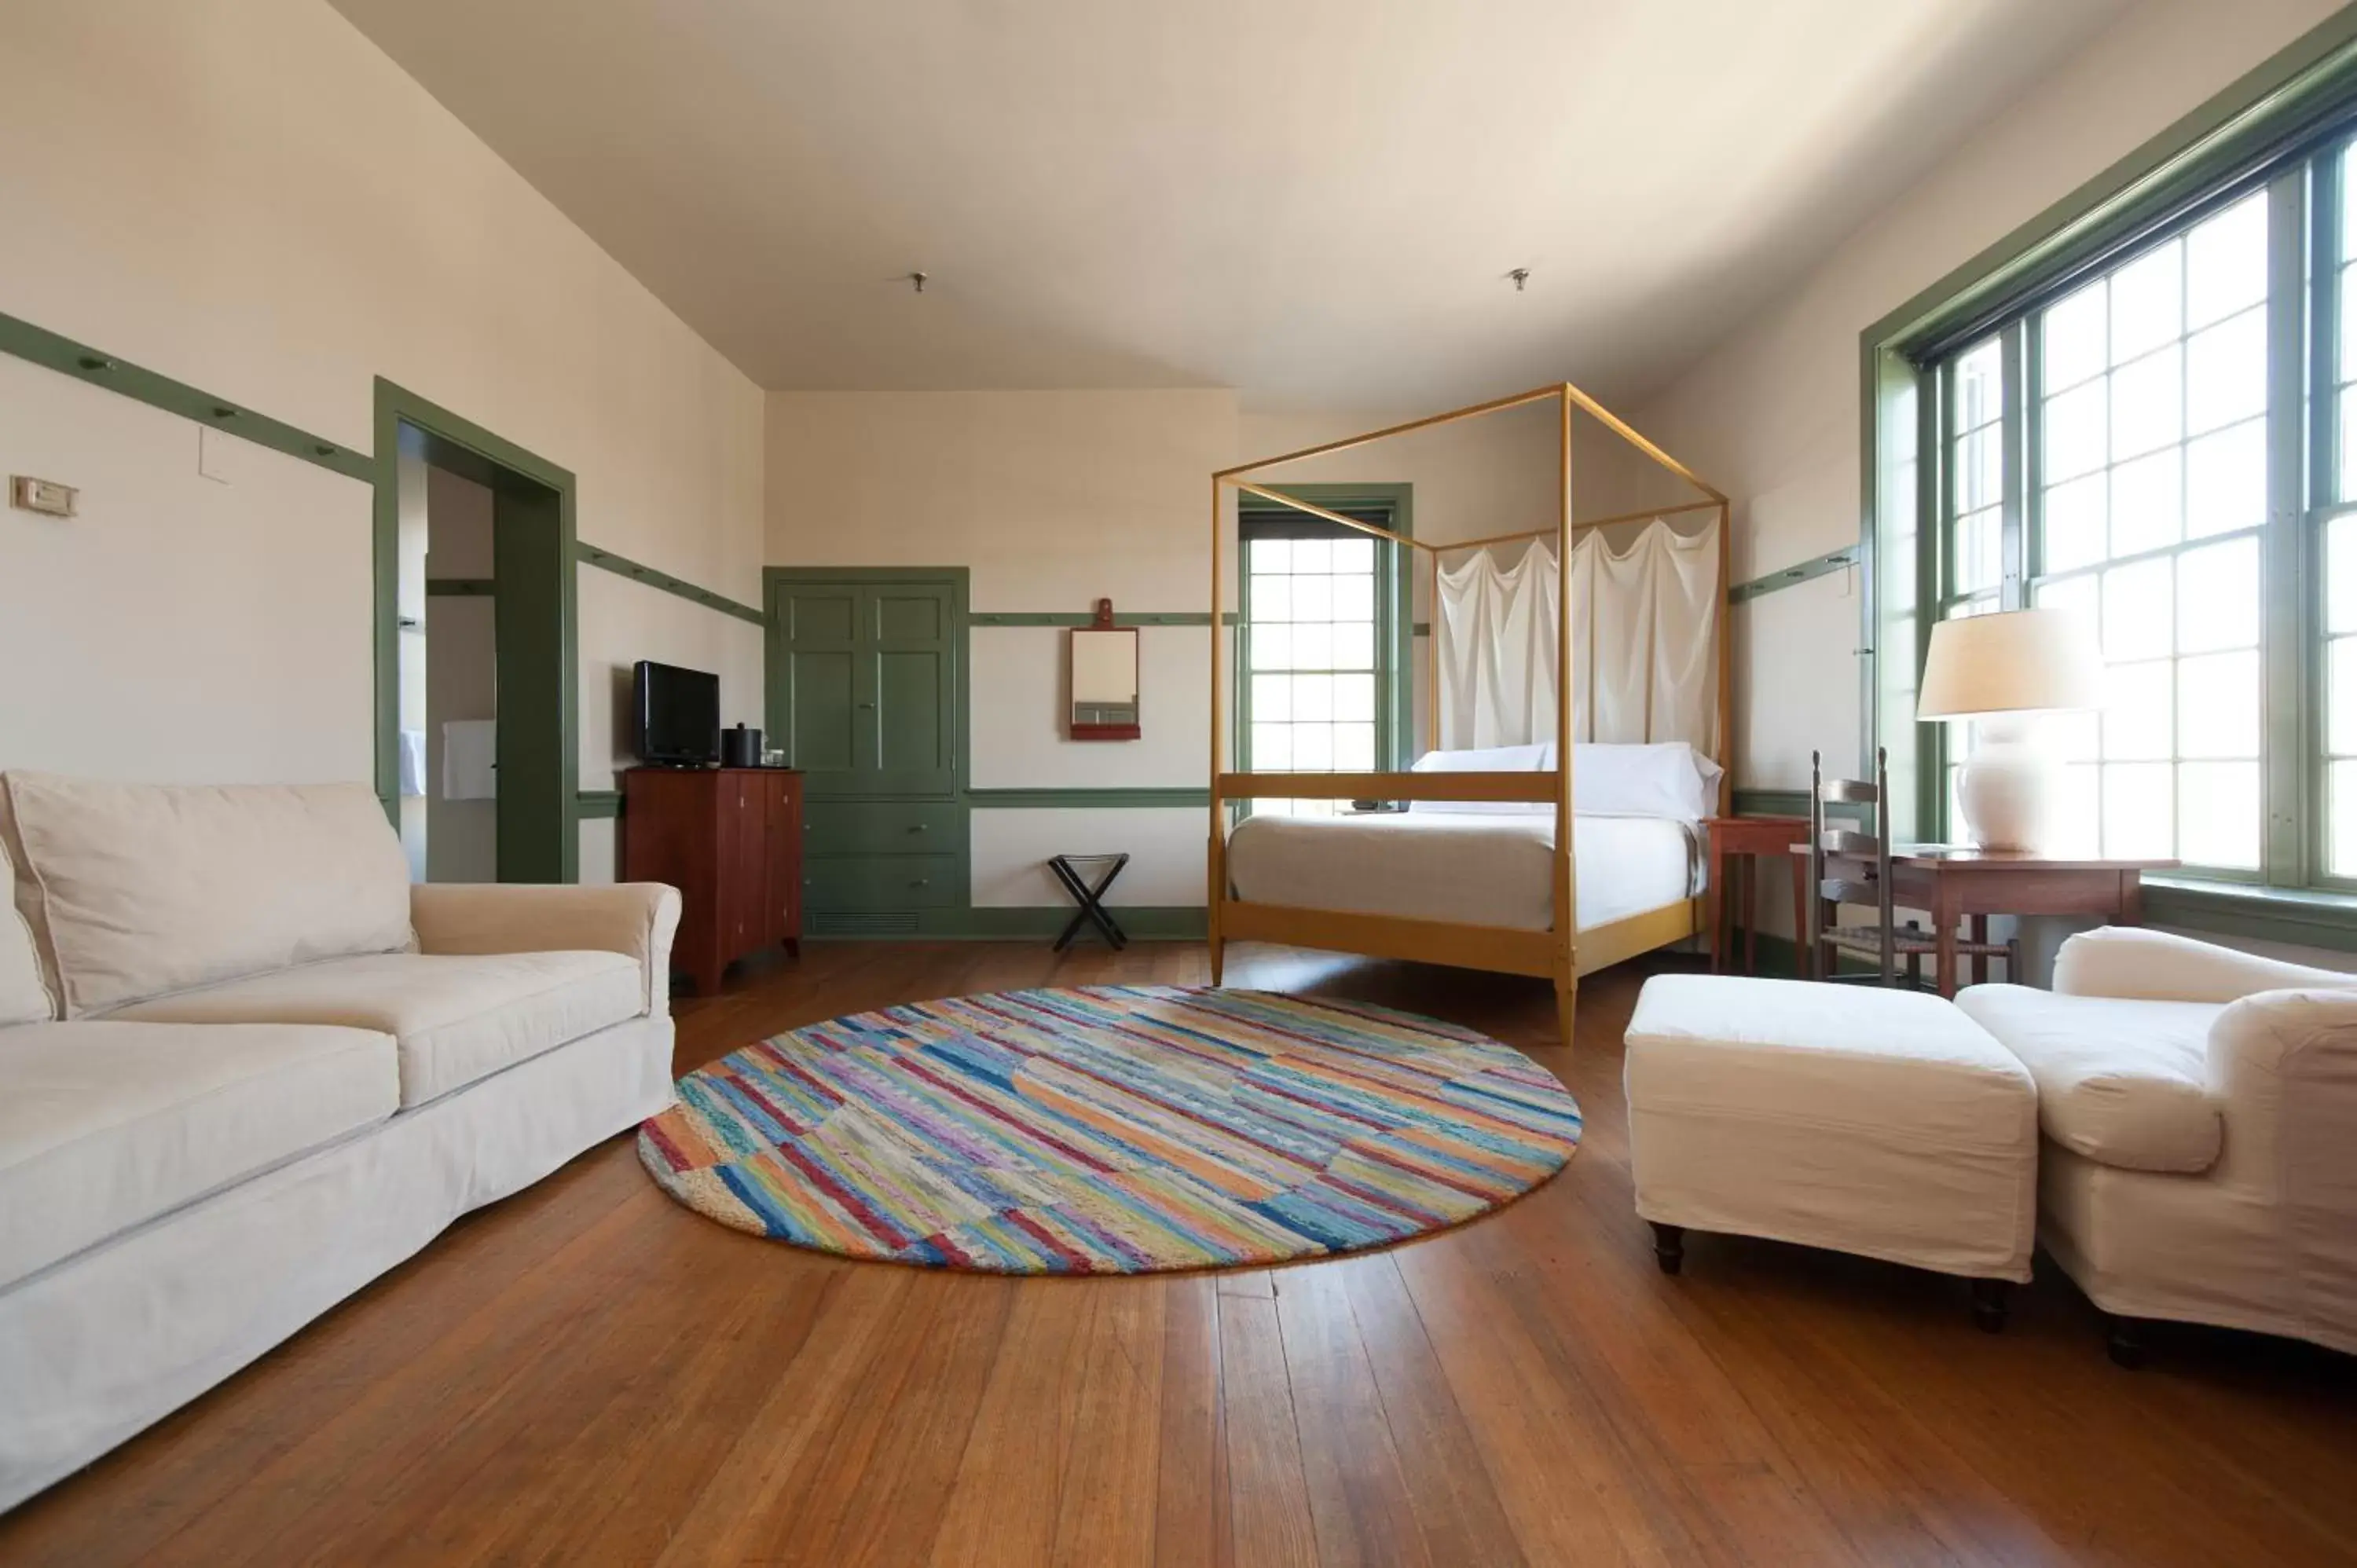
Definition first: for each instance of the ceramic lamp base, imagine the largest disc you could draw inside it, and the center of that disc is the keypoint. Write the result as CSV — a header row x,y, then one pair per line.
x,y
2010,787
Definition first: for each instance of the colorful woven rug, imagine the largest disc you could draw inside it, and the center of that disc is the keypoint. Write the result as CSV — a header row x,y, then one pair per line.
x,y
1112,1130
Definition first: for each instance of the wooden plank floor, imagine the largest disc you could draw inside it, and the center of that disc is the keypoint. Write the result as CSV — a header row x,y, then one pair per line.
x,y
588,1373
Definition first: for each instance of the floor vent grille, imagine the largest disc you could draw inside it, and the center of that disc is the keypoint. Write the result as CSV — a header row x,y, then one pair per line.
x,y
841,924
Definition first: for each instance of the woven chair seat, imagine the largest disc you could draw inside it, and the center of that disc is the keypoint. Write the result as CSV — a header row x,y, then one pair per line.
x,y
1868,939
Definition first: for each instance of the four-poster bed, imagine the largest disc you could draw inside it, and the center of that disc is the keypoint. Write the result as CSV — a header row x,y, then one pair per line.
x,y
1558,948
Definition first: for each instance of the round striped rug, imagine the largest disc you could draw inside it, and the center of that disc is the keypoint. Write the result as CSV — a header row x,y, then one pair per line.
x,y
1111,1130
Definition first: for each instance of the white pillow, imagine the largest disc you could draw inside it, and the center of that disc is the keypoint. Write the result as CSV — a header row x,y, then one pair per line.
x,y
1487,759
141,889
1667,779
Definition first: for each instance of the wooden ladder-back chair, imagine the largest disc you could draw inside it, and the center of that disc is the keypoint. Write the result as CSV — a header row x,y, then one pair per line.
x,y
1847,865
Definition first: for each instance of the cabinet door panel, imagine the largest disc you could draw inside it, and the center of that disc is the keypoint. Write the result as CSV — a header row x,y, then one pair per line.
x,y
913,671
864,685
820,633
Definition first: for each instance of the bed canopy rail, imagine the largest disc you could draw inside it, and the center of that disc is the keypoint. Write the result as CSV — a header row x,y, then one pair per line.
x,y
1562,953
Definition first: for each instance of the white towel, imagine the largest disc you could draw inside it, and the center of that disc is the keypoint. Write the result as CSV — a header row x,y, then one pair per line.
x,y
470,753
413,762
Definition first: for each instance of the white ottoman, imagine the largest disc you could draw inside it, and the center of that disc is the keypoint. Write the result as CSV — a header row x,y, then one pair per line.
x,y
1870,1121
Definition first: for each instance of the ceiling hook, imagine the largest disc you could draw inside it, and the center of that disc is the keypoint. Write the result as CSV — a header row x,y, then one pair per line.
x,y
1521,275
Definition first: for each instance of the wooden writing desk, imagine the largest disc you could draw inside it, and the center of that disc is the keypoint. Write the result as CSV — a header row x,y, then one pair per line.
x,y
1952,884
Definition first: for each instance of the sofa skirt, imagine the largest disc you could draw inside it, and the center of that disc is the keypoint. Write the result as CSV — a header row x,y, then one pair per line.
x,y
102,1344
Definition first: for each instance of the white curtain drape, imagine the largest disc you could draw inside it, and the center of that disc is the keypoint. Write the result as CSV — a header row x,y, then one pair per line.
x,y
1644,665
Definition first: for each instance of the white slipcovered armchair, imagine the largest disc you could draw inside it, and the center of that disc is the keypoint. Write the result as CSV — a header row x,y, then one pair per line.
x,y
2199,1107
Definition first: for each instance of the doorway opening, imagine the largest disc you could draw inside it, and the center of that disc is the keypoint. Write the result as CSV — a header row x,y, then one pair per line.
x,y
477,702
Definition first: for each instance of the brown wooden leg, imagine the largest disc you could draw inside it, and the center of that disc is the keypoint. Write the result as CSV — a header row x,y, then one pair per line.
x,y
794,947
1943,938
1805,961
1750,914
1669,1247
1714,911
2125,1342
1980,959
1992,1299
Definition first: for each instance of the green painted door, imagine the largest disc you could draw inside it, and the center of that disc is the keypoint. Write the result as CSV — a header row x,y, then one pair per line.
x,y
865,688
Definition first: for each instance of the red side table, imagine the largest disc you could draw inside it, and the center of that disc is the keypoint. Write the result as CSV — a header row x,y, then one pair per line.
x,y
1735,846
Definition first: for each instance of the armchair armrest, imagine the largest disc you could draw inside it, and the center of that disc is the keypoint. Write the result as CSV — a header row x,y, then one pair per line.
x,y
638,918
2133,964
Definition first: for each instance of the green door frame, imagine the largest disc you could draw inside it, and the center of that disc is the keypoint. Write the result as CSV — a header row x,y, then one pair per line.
x,y
532,511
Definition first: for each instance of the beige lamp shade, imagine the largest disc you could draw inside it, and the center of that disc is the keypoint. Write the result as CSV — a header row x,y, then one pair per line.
x,y
2016,661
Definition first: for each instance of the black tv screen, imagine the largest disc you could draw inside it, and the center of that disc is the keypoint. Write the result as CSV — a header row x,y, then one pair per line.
x,y
675,714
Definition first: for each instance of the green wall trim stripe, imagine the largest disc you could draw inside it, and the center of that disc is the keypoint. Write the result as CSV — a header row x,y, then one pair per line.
x,y
2300,918
622,566
1119,618
42,347
460,588
1054,798
1771,802
1144,922
595,804
1793,577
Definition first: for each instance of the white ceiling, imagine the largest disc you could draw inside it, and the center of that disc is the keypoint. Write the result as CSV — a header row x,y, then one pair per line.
x,y
1312,200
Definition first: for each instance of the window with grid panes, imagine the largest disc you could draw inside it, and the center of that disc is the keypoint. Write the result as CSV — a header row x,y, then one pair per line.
x,y
1316,664
2109,451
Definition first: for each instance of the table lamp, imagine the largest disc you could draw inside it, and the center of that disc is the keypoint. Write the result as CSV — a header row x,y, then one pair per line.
x,y
2002,670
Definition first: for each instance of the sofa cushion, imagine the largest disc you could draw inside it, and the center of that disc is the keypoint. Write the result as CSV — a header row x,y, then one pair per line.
x,y
455,1018
134,890
2124,1083
103,1125
24,998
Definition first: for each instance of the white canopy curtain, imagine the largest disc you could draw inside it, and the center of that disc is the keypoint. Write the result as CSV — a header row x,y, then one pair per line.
x,y
1645,663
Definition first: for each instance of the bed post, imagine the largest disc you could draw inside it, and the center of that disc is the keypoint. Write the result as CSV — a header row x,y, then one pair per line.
x,y
1566,898
1216,877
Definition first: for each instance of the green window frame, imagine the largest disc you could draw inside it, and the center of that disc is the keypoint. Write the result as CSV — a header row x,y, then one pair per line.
x,y
1388,506
2280,130
2107,450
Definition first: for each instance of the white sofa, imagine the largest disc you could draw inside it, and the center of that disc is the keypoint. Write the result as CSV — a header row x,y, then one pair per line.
x,y
245,1068
2199,1109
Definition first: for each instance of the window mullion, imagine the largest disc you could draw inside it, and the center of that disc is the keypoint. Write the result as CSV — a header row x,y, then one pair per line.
x,y
2013,485
1936,525
2302,257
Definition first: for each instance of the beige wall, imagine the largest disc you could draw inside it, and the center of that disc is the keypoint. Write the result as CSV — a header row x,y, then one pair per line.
x,y
246,195
1771,416
182,627
1053,499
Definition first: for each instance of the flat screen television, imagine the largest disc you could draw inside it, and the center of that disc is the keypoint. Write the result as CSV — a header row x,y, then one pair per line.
x,y
674,715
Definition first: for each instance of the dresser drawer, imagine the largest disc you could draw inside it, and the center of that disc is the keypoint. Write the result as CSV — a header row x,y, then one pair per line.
x,y
881,882
882,827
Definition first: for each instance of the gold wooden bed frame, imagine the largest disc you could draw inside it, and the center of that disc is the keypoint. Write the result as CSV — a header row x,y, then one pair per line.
x,y
1563,954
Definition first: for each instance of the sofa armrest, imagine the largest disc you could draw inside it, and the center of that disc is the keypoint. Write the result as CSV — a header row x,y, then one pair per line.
x,y
2133,964
639,918
2283,1068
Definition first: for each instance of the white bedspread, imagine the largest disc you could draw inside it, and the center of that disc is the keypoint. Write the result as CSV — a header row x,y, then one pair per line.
x,y
1479,870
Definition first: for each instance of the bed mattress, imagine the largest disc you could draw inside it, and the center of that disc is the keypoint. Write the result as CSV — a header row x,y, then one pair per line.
x,y
1476,869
